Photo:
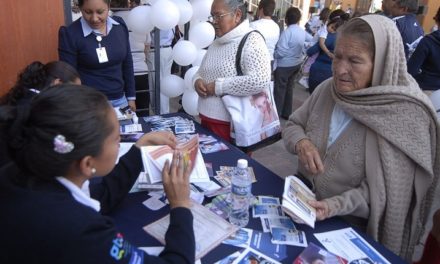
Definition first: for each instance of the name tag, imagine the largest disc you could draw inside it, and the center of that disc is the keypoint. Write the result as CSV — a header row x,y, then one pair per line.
x,y
102,55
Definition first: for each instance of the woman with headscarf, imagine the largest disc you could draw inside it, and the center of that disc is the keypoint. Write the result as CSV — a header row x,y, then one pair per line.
x,y
367,139
217,75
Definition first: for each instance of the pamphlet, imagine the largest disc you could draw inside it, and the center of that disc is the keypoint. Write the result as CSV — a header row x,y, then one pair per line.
x,y
154,158
252,256
295,201
315,254
350,245
209,229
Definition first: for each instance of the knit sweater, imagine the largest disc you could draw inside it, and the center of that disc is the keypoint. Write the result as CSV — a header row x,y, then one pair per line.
x,y
218,66
114,78
395,154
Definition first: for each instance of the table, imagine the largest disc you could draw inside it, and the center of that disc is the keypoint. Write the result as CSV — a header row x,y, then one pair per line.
x,y
131,216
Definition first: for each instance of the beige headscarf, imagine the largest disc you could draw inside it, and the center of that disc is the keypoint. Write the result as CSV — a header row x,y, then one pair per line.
x,y
402,150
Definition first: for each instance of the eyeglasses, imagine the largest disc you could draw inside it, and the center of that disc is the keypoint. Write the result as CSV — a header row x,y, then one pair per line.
x,y
216,18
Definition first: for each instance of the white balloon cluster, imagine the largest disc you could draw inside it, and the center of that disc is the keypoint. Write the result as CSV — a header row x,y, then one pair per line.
x,y
165,15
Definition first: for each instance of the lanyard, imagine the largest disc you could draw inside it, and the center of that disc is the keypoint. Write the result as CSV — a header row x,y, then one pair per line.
x,y
99,39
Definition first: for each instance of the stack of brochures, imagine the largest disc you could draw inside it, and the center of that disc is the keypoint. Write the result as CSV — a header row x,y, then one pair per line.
x,y
296,196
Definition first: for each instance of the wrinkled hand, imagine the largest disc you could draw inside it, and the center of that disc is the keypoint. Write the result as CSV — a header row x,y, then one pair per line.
x,y
331,55
201,88
322,209
210,89
132,105
309,156
435,232
176,181
157,138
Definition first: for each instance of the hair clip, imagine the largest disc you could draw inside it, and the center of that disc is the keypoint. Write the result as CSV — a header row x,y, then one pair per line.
x,y
61,145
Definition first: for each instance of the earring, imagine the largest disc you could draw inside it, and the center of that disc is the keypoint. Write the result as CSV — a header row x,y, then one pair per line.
x,y
93,171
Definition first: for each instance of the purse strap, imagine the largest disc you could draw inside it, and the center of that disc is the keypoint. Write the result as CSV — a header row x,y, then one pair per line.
x,y
240,50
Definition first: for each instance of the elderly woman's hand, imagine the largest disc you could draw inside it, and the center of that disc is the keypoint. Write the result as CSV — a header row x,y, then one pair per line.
x,y
309,156
157,138
200,87
176,181
322,209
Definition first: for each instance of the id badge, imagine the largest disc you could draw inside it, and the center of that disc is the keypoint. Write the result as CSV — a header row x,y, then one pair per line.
x,y
102,55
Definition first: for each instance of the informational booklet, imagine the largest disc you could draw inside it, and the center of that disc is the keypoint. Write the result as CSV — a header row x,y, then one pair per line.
x,y
315,254
250,255
209,229
296,196
348,244
154,158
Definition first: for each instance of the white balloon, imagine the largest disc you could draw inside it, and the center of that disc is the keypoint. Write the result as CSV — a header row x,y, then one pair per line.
x,y
202,34
185,10
188,78
200,54
184,52
165,14
190,101
139,20
172,85
201,9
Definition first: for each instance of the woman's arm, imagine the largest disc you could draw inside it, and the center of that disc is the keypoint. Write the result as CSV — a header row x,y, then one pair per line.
x,y
127,65
66,47
255,64
417,59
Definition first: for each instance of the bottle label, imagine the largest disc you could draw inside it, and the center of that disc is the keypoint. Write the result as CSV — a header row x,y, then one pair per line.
x,y
241,190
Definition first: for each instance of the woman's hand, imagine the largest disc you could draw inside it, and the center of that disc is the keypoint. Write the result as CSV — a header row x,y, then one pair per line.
x,y
157,138
200,87
132,105
309,156
210,89
322,209
176,181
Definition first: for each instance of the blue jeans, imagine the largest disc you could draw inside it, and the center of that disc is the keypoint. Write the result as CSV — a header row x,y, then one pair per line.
x,y
121,102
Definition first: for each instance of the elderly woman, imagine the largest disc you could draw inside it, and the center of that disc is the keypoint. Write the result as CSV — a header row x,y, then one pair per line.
x,y
217,75
367,139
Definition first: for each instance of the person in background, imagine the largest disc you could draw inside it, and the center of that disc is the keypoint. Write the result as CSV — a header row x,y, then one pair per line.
x,y
313,21
166,62
139,45
266,26
379,171
38,76
320,69
289,56
402,12
97,46
424,64
217,75
67,136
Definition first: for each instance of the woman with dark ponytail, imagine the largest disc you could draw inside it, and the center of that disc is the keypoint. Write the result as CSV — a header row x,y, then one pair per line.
x,y
67,135
37,76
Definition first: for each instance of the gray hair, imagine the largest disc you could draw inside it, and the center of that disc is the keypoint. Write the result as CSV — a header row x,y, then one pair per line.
x,y
237,4
412,5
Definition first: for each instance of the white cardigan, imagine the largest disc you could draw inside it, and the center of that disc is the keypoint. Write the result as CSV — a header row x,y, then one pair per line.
x,y
219,65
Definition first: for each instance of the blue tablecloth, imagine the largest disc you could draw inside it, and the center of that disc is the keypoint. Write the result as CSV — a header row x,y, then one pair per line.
x,y
132,215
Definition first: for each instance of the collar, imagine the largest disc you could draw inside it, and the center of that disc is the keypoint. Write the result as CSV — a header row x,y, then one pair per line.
x,y
82,195
236,33
87,30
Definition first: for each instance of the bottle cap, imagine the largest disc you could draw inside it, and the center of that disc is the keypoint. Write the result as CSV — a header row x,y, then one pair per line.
x,y
242,163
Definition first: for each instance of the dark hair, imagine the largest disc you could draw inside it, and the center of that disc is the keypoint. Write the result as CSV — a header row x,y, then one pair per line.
x,y
119,4
338,18
81,2
293,15
323,15
411,5
39,76
79,113
268,7
359,29
437,16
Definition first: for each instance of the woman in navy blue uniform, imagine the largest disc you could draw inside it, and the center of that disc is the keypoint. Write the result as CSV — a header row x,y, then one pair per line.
x,y
97,46
49,214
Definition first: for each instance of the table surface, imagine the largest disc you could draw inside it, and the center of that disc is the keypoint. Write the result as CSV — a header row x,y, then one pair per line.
x,y
131,216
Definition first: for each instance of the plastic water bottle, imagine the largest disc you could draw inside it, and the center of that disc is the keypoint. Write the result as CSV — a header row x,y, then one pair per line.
x,y
240,193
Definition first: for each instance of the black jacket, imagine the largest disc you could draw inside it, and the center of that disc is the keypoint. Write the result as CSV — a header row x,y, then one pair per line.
x,y
45,224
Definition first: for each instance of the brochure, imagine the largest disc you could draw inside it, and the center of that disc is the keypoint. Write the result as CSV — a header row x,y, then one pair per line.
x,y
154,158
295,201
315,254
209,229
349,244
